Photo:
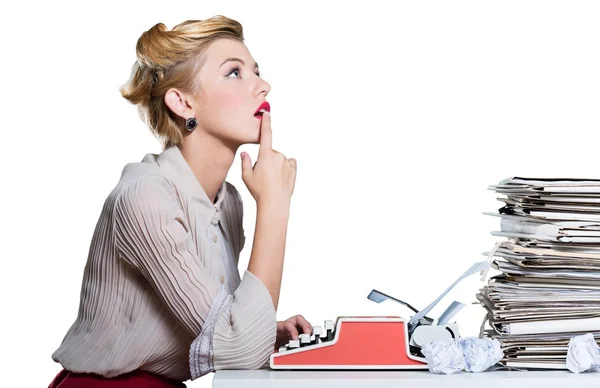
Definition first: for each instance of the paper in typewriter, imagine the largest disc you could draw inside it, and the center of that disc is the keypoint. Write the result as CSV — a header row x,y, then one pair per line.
x,y
548,289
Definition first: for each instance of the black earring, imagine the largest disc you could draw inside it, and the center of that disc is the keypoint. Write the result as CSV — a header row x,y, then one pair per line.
x,y
191,124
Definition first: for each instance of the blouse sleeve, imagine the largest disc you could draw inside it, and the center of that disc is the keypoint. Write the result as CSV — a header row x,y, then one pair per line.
x,y
152,234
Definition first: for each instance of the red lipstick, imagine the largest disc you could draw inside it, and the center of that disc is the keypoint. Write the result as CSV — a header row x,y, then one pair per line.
x,y
266,106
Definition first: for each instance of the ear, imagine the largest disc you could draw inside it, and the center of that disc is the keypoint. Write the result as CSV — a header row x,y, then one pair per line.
x,y
179,103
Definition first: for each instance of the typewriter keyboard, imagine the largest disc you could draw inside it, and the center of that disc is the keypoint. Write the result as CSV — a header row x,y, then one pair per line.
x,y
320,335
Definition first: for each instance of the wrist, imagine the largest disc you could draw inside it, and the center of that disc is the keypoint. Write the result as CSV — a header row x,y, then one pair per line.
x,y
274,207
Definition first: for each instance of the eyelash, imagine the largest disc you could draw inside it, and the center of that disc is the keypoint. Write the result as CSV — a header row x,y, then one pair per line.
x,y
239,70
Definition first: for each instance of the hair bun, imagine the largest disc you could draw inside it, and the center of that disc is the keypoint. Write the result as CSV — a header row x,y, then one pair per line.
x,y
153,46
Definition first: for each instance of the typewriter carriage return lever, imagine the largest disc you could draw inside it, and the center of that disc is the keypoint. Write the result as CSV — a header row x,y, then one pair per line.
x,y
424,329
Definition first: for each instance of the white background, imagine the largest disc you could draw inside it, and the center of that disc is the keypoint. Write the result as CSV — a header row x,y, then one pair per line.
x,y
400,115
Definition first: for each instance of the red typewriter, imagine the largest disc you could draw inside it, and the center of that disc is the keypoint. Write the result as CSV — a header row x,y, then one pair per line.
x,y
371,342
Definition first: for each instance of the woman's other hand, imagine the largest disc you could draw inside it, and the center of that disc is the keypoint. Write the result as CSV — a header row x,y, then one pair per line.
x,y
290,329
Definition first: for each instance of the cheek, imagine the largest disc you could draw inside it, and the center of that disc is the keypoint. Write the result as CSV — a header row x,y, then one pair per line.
x,y
227,102
228,115
232,113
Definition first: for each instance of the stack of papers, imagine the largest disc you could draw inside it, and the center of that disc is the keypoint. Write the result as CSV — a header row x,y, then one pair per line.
x,y
548,289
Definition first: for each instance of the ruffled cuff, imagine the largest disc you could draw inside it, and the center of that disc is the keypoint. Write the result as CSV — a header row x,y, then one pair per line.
x,y
245,336
202,350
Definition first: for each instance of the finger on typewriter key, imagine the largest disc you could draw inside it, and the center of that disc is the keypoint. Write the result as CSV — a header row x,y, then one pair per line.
x,y
293,344
304,339
329,329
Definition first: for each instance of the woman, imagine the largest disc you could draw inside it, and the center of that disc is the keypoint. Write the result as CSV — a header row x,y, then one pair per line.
x,y
162,300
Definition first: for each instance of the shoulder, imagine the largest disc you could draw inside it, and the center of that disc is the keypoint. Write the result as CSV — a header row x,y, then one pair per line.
x,y
144,187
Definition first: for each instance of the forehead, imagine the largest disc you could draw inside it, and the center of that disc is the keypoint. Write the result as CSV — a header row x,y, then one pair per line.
x,y
221,49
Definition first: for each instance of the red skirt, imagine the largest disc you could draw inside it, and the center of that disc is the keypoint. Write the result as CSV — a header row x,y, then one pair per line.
x,y
135,379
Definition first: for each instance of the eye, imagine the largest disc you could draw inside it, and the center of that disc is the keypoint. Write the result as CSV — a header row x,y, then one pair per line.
x,y
238,70
234,70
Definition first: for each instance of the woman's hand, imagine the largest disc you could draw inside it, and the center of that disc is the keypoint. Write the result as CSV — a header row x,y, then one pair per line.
x,y
290,329
273,177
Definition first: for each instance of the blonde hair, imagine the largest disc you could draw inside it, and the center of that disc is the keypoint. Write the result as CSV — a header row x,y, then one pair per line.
x,y
171,59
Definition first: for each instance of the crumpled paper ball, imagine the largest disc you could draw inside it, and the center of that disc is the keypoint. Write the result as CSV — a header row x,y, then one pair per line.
x,y
480,353
443,357
583,354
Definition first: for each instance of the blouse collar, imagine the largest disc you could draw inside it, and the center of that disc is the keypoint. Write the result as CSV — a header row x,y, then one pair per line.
x,y
176,167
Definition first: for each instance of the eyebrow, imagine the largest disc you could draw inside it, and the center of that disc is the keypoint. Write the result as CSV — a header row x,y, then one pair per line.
x,y
232,59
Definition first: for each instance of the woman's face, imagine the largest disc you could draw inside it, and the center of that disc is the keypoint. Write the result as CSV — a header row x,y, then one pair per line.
x,y
229,92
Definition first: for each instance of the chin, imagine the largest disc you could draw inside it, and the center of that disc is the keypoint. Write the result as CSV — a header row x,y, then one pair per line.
x,y
248,138
253,136
237,135
253,140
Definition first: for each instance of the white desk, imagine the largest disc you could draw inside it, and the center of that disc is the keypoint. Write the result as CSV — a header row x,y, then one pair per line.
x,y
266,378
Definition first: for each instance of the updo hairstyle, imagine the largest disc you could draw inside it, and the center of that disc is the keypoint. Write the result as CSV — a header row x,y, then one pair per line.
x,y
171,59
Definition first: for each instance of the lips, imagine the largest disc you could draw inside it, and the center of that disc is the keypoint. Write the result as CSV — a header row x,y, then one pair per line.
x,y
265,105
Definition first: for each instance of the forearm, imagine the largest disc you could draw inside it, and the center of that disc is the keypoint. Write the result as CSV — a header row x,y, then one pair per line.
x,y
268,248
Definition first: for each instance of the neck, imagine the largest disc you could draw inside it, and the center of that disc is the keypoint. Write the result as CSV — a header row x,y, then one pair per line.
x,y
209,159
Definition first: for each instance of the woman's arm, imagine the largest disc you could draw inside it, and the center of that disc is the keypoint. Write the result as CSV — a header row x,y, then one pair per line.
x,y
152,234
268,247
271,182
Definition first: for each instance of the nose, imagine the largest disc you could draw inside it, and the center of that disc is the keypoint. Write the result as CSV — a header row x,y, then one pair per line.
x,y
262,87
